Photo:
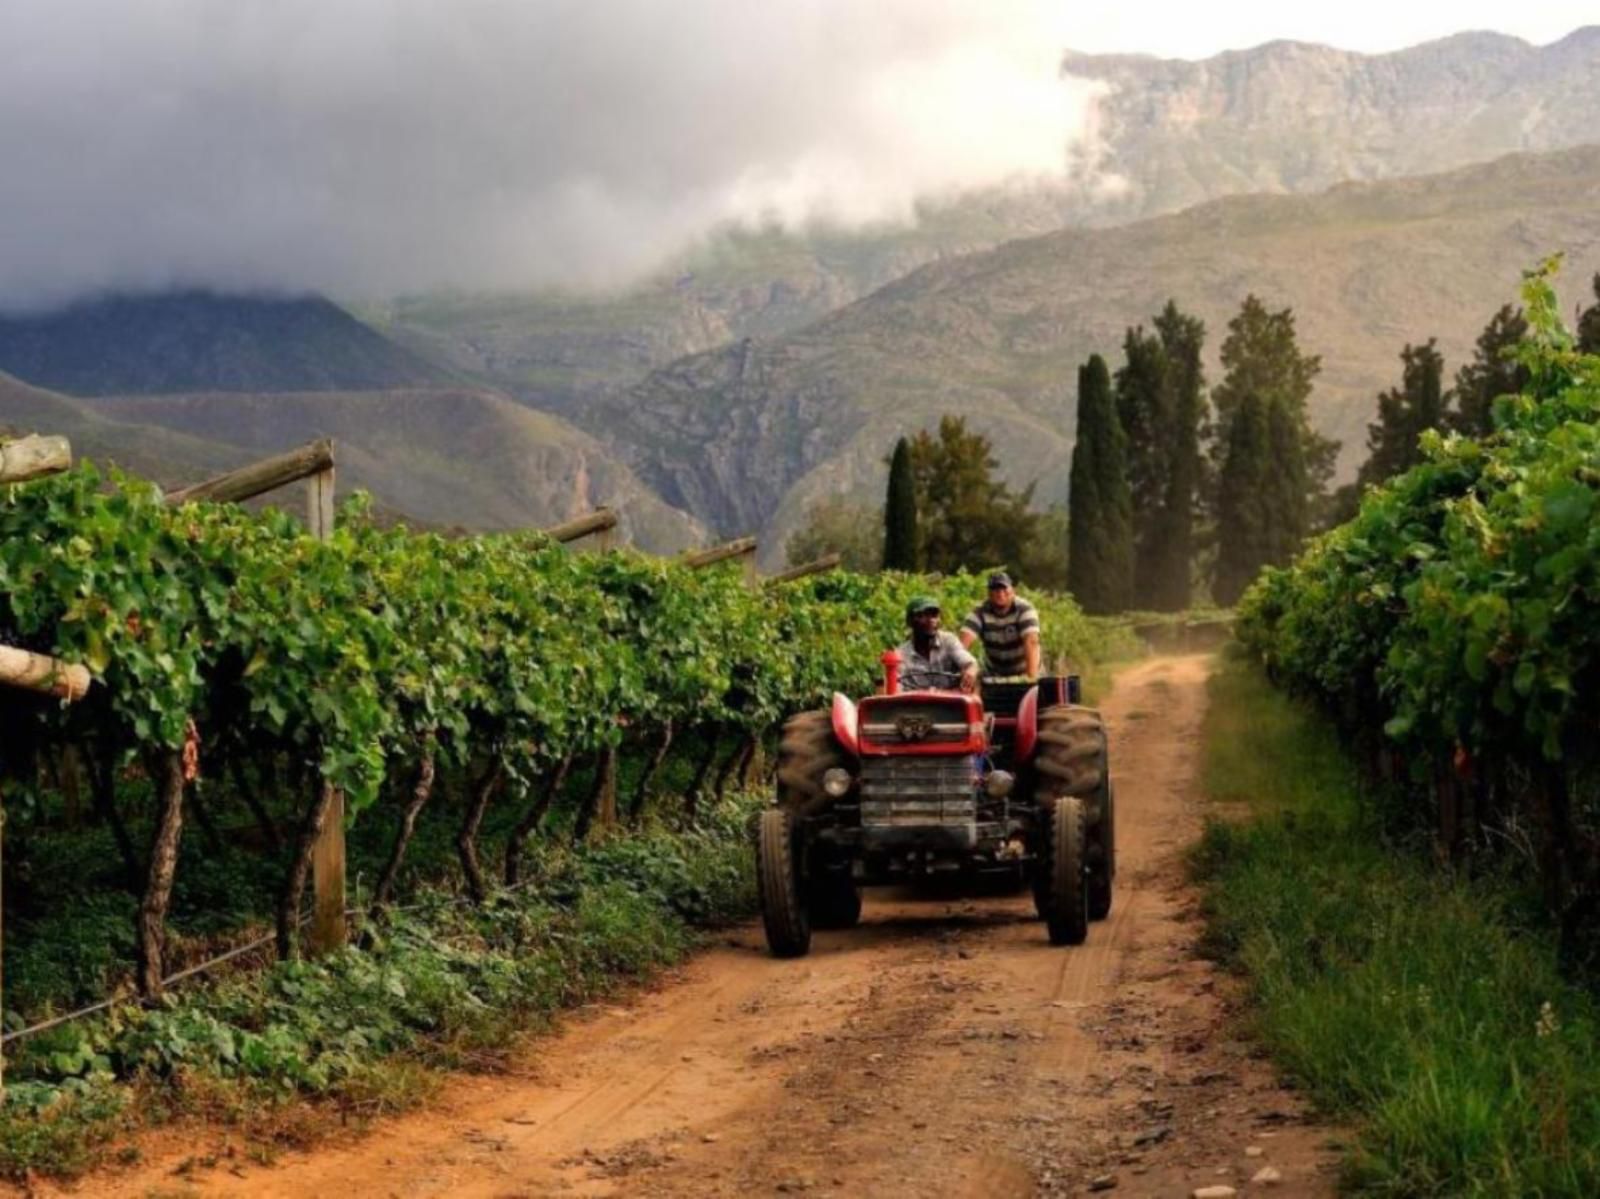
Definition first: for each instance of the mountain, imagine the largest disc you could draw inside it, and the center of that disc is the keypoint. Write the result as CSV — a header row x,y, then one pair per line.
x,y
1294,117
450,457
1167,134
746,437
168,457
203,341
179,387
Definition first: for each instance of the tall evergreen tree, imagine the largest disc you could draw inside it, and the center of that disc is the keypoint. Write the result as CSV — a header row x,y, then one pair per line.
x,y
1490,375
967,518
1589,323
1285,503
1405,413
1100,507
1243,537
1261,358
900,512
1144,402
1171,549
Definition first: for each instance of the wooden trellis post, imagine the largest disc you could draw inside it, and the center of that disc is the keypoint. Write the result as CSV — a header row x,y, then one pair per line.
x,y
816,567
744,548
327,856
21,460
601,524
312,462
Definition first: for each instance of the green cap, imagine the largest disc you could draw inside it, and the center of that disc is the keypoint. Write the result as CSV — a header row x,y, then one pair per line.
x,y
923,603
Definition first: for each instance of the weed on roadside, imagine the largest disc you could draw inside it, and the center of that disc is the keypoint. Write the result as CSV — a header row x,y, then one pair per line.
x,y
1424,1006
364,1033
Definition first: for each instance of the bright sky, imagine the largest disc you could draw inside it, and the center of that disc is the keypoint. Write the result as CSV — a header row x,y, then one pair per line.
x,y
1198,29
373,147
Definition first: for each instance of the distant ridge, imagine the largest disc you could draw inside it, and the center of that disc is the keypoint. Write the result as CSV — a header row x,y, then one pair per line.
x,y
203,341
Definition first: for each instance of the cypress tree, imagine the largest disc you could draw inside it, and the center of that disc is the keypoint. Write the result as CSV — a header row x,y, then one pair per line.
x,y
1144,409
1171,553
1405,413
1490,374
1261,357
900,512
1099,511
1242,533
1285,495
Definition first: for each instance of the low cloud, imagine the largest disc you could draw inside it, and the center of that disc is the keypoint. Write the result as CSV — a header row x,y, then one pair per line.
x,y
373,147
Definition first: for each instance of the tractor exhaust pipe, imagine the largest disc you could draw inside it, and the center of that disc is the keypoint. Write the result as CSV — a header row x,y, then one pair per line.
x,y
891,672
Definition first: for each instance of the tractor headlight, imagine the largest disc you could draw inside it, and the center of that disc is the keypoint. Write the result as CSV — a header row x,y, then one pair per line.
x,y
999,783
836,782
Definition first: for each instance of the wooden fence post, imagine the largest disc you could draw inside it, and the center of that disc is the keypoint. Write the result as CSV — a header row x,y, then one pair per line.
x,y
815,567
328,931
601,524
20,461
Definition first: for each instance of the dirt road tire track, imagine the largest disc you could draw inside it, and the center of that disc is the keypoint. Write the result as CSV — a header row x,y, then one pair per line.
x,y
943,1047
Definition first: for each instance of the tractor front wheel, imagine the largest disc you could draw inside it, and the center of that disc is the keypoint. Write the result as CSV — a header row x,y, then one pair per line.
x,y
1063,892
784,911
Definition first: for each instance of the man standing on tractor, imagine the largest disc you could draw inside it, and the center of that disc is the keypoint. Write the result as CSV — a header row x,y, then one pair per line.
x,y
931,659
1009,627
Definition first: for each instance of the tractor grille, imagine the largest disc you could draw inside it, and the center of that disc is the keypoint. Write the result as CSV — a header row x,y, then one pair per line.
x,y
918,791
894,722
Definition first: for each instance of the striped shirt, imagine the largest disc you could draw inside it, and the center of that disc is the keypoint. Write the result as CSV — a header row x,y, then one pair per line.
x,y
1002,635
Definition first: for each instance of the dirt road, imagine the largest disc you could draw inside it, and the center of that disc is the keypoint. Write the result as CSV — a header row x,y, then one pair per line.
x,y
942,1048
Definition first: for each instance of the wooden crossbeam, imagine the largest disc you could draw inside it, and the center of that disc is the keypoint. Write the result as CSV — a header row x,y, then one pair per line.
x,y
601,520
32,457
720,553
261,477
37,672
815,567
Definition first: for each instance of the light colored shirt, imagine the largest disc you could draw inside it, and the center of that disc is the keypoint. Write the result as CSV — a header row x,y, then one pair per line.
x,y
940,670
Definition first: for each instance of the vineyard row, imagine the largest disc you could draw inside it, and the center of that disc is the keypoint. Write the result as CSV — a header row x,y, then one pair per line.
x,y
227,644
1452,628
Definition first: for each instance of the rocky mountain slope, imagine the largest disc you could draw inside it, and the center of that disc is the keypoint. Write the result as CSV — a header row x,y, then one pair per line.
x,y
748,436
1282,117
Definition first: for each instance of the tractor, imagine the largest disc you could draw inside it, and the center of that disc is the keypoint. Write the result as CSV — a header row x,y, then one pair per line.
x,y
905,785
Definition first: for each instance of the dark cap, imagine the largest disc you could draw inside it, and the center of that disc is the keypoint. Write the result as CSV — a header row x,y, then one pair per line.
x,y
923,603
999,579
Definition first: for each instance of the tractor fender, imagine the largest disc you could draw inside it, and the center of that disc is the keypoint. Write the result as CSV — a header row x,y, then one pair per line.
x,y
844,724
1027,726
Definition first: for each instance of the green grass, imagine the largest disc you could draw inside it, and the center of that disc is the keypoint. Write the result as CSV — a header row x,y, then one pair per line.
x,y
1423,1007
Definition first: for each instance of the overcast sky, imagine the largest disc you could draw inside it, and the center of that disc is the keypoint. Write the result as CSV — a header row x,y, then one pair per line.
x,y
368,147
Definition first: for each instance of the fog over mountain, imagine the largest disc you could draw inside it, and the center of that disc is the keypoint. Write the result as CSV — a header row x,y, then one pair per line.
x,y
373,147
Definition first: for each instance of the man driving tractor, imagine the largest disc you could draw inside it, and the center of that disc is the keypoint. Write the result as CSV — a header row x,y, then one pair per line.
x,y
1009,627
933,660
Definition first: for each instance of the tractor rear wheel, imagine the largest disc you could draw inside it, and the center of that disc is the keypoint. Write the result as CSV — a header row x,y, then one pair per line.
x,y
1065,872
806,751
1072,761
779,853
1103,854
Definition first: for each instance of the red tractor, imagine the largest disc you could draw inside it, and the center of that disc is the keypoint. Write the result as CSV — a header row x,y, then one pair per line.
x,y
907,784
